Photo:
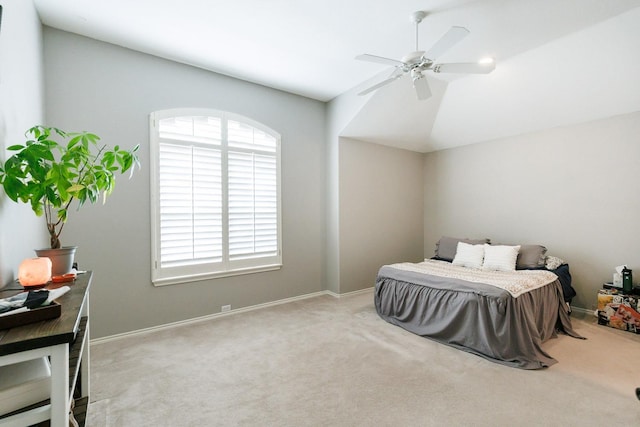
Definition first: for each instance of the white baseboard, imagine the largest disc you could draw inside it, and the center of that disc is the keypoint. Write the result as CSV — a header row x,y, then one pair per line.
x,y
115,337
348,294
584,311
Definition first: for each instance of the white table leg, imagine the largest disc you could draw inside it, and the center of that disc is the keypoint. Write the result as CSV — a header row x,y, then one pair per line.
x,y
60,386
86,354
84,366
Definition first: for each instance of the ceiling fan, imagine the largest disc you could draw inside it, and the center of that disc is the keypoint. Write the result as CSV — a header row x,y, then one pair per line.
x,y
418,62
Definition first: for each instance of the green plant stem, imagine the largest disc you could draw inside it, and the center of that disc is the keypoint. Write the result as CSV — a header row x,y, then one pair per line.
x,y
54,236
55,230
84,166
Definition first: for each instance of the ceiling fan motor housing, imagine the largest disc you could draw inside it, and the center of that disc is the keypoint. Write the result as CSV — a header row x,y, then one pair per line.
x,y
413,57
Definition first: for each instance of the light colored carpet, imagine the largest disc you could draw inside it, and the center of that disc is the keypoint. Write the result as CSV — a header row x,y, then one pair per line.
x,y
333,362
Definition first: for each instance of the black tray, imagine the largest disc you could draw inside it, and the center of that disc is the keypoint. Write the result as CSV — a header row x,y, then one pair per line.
x,y
46,312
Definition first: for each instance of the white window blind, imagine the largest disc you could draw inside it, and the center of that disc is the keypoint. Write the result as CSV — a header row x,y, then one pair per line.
x,y
190,204
216,204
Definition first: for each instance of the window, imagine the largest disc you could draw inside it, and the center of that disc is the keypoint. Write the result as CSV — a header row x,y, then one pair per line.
x,y
215,196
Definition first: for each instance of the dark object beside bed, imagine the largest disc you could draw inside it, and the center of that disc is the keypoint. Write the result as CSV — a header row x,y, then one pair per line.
x,y
565,280
476,317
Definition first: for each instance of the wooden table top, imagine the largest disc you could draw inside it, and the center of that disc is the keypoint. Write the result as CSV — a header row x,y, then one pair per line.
x,y
47,332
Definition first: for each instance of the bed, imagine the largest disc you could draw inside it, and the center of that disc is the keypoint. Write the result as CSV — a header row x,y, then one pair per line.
x,y
503,313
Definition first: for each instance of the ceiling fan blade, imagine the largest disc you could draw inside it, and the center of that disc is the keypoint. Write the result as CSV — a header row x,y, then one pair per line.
x,y
465,68
378,59
446,42
393,76
422,88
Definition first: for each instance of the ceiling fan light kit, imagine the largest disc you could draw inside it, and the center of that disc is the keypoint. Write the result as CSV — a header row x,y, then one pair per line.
x,y
416,63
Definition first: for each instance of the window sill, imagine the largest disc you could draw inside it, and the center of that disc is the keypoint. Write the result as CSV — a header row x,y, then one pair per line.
x,y
217,275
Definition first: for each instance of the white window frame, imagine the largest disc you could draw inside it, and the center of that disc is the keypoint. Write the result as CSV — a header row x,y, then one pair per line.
x,y
202,271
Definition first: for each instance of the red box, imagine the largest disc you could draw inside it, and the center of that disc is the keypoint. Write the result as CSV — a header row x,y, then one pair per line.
x,y
619,311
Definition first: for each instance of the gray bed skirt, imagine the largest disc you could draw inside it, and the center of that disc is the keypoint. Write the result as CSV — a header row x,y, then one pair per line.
x,y
473,317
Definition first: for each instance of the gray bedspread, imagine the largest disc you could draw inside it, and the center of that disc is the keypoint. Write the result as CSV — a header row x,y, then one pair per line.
x,y
475,317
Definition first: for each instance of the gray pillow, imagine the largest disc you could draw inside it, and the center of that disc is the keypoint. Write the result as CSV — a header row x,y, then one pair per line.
x,y
531,256
447,246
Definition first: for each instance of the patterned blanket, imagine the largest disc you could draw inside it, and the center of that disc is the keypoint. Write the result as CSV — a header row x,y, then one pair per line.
x,y
515,282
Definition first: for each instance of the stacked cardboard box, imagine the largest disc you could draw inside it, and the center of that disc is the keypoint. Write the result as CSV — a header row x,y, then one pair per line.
x,y
619,311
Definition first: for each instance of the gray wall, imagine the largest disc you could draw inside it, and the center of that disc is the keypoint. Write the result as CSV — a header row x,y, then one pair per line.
x,y
574,189
109,90
340,111
21,107
381,210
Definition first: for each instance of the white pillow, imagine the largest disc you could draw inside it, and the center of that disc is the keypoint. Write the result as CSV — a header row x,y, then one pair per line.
x,y
469,255
497,257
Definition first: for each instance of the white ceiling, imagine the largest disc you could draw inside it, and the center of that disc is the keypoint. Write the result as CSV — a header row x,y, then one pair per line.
x,y
307,47
583,76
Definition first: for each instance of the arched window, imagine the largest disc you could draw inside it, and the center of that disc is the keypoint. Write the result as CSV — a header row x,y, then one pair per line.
x,y
215,195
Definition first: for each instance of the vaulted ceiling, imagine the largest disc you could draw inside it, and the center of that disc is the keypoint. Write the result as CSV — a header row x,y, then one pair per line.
x,y
558,61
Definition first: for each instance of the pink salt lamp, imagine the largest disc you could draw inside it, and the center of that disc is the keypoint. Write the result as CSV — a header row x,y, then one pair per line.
x,y
34,272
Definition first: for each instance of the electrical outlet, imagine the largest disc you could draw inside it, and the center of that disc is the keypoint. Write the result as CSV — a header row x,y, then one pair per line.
x,y
225,308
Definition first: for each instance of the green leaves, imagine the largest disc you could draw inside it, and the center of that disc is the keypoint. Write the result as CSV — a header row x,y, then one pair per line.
x,y
49,174
13,188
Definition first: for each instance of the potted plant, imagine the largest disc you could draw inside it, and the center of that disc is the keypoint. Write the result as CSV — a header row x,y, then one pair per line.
x,y
49,174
